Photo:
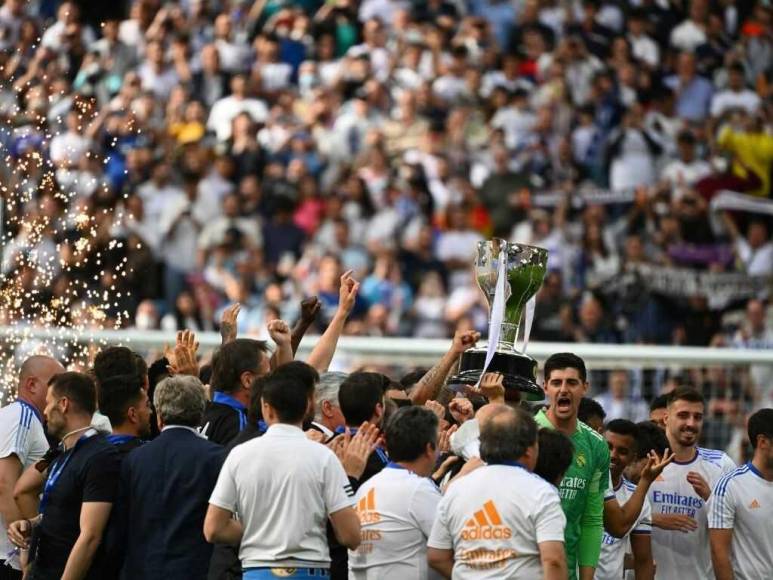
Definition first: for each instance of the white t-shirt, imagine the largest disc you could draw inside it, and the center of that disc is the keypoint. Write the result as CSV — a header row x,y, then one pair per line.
x,y
22,435
743,501
397,509
283,487
728,99
671,493
612,557
494,520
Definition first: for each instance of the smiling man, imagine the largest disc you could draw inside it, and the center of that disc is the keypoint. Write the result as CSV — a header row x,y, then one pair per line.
x,y
583,488
678,497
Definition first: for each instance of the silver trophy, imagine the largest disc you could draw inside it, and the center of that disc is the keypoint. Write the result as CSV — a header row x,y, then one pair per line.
x,y
525,269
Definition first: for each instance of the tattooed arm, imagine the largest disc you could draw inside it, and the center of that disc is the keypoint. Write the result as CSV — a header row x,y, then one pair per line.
x,y
429,385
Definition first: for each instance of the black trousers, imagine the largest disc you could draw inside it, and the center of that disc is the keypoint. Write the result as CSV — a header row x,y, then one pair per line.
x,y
8,573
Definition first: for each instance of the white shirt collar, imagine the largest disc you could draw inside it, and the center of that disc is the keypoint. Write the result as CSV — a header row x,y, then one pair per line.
x,y
191,429
283,429
325,431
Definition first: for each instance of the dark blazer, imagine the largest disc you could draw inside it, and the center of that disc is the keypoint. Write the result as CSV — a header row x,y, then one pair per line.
x,y
166,486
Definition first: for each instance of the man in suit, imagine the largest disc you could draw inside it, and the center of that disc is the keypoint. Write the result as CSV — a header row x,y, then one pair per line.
x,y
166,486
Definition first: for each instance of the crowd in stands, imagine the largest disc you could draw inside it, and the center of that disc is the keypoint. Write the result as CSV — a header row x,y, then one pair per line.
x,y
254,151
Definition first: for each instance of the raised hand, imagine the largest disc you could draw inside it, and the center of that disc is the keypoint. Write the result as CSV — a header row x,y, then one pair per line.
x,y
310,308
359,448
185,362
437,409
279,332
228,323
492,387
464,340
461,409
655,464
444,439
347,294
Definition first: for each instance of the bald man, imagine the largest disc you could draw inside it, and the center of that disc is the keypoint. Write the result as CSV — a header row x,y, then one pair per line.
x,y
22,441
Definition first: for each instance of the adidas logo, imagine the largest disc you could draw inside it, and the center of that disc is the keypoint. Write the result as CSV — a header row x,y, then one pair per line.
x,y
486,524
754,505
366,508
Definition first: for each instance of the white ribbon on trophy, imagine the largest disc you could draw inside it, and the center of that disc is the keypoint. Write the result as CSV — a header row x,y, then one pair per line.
x,y
528,320
497,313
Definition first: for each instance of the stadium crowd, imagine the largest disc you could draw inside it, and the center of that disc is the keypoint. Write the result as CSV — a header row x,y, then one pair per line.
x,y
289,141
260,466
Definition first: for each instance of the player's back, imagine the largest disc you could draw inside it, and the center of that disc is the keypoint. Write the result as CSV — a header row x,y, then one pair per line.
x,y
680,555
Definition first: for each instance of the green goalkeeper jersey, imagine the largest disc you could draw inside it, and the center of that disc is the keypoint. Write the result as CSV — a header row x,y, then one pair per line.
x,y
582,495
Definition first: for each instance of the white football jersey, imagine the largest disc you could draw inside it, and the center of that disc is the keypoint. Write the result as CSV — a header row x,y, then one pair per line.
x,y
494,520
612,557
680,555
742,500
397,509
21,434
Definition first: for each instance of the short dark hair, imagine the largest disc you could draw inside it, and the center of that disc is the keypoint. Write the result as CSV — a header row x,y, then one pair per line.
x,y
565,360
114,361
555,455
254,412
689,394
408,432
79,388
234,358
288,390
359,394
761,423
659,402
117,394
625,428
590,408
506,435
651,438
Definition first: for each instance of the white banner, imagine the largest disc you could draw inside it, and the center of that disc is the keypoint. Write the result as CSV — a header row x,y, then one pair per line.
x,y
730,200
720,288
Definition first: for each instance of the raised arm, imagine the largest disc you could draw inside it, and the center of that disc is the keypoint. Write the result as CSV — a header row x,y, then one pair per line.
x,y
323,352
429,385
619,519
279,332
309,309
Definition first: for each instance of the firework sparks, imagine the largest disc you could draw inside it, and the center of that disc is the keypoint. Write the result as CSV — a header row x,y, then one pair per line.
x,y
61,264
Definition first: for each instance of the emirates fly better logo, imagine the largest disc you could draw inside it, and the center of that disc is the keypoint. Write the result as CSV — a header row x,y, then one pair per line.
x,y
486,524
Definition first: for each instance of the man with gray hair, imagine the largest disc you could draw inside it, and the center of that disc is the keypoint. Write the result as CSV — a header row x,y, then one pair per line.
x,y
327,412
166,487
501,520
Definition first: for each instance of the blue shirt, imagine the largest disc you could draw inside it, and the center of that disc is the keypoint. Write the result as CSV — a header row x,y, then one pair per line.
x,y
694,101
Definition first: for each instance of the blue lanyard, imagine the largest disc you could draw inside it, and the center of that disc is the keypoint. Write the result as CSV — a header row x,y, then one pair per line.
x,y
120,439
393,465
380,452
32,408
223,399
262,427
57,468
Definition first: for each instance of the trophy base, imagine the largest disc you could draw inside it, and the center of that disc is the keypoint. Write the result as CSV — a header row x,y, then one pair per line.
x,y
519,370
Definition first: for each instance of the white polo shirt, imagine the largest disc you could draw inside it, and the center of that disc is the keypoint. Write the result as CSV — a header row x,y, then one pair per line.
x,y
494,520
743,501
671,493
283,487
612,557
21,434
397,509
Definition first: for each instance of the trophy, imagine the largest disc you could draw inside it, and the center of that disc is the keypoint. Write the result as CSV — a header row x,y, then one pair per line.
x,y
524,269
